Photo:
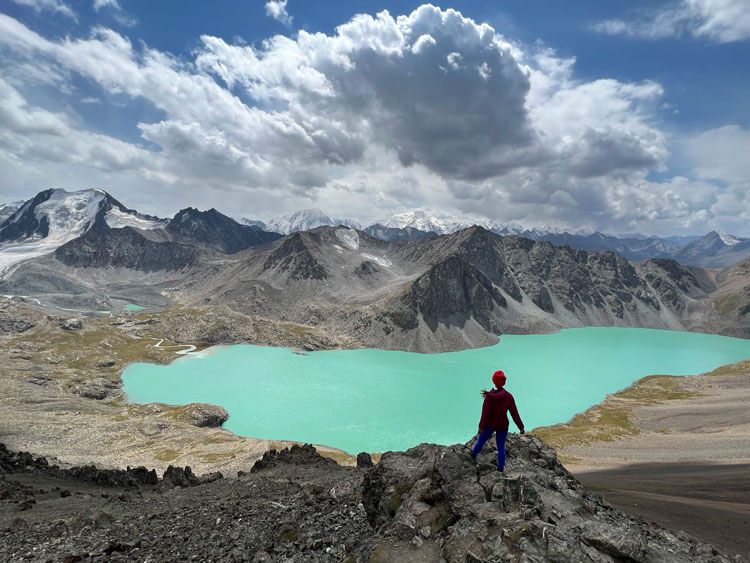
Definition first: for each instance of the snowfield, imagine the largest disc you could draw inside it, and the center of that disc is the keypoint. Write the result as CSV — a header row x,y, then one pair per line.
x,y
69,214
117,219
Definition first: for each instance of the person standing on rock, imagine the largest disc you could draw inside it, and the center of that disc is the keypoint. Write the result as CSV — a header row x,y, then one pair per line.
x,y
495,409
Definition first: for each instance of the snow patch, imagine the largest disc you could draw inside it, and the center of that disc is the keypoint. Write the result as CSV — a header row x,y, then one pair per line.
x,y
378,260
117,219
348,237
728,239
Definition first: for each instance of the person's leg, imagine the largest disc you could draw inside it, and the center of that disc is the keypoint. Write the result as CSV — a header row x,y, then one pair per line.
x,y
483,437
500,436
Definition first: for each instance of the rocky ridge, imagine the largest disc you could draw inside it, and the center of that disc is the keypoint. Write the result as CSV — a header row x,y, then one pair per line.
x,y
429,503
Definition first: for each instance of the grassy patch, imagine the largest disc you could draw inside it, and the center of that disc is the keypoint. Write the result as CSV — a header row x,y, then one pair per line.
x,y
726,304
167,455
338,457
216,440
740,368
222,456
656,388
612,419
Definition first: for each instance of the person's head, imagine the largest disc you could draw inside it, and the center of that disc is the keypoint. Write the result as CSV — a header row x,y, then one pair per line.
x,y
498,378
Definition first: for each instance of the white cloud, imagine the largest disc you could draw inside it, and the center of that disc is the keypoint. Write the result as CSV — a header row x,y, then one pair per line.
x,y
425,109
276,9
722,21
99,4
52,5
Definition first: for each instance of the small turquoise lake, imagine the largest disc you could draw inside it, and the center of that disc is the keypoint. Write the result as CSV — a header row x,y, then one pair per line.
x,y
133,307
377,400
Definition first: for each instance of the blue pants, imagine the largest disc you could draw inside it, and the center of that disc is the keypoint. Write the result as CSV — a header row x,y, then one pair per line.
x,y
485,435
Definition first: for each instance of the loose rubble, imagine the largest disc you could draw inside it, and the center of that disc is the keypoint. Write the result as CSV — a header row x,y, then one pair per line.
x,y
430,503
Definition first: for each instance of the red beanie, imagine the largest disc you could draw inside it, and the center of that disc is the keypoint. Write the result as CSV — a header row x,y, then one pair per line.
x,y
498,378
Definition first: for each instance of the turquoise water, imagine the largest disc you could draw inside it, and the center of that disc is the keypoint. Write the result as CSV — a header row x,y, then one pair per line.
x,y
133,307
376,400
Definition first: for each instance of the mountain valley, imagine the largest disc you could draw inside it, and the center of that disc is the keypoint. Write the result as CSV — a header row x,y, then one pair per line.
x,y
93,255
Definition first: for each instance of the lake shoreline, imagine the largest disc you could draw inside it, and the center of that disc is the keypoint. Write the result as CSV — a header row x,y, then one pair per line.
x,y
662,419
365,399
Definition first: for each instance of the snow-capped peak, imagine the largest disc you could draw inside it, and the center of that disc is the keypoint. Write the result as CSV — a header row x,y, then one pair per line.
x,y
55,217
69,214
305,220
421,220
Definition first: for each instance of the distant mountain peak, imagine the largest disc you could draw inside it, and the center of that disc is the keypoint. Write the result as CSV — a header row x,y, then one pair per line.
x,y
306,219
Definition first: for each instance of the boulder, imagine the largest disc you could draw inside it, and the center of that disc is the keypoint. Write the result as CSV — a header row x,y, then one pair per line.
x,y
204,415
364,460
72,324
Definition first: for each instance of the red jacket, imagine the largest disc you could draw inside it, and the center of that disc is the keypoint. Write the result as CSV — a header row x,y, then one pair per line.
x,y
495,409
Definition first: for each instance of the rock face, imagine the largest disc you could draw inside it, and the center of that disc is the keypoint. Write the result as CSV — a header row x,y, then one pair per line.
x,y
124,248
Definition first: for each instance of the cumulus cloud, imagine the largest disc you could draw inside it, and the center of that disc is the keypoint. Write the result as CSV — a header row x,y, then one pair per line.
x,y
57,6
722,21
276,9
425,109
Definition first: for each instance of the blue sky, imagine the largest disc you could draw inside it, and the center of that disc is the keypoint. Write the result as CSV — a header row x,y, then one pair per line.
x,y
606,115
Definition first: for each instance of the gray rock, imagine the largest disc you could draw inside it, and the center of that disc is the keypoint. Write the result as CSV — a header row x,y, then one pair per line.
x,y
364,460
205,415
72,324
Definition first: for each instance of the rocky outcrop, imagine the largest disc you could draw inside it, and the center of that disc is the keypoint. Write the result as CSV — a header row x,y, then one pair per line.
x,y
98,389
71,324
203,414
435,499
430,503
297,455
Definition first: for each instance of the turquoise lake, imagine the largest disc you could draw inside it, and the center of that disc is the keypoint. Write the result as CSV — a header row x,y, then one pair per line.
x,y
133,307
377,400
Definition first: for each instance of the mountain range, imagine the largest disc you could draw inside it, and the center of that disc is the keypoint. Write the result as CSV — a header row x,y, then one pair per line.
x,y
86,251
713,250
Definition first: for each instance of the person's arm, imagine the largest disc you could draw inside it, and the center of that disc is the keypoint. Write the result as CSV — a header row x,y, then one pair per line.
x,y
516,417
486,412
